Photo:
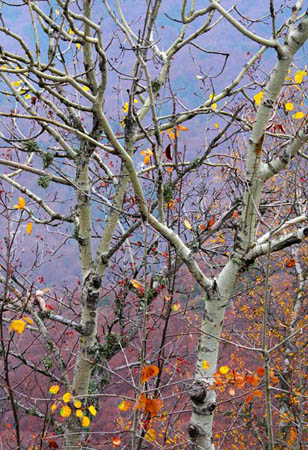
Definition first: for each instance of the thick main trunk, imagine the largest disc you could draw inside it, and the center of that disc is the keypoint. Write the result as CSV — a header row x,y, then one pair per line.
x,y
93,273
202,395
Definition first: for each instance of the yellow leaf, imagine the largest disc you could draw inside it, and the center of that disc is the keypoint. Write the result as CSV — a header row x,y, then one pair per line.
x,y
28,320
70,31
56,11
147,155
29,228
289,106
77,404
27,96
16,83
172,135
21,203
150,435
54,389
224,370
124,405
92,410
258,97
78,46
18,326
135,101
213,105
125,108
136,284
187,224
298,115
85,88
67,397
85,421
299,76
176,307
65,411
216,125
79,413
53,407
205,364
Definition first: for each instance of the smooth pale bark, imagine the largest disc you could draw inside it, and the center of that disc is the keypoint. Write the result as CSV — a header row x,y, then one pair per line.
x,y
93,272
216,299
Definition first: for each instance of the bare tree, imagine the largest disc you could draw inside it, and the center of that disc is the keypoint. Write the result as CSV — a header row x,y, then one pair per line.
x,y
94,108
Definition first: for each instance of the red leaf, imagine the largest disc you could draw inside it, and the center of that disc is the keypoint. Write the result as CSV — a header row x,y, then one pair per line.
x,y
33,100
211,222
52,444
290,263
168,152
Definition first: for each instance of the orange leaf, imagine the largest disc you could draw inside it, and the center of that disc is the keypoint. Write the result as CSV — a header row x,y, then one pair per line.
x,y
252,379
181,128
240,381
124,405
255,381
249,379
290,263
231,391
141,402
148,372
153,406
248,398
258,393
274,380
218,378
116,442
261,371
148,405
211,222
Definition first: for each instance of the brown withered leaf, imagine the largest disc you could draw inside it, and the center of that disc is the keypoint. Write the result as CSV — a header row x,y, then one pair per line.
x,y
168,152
